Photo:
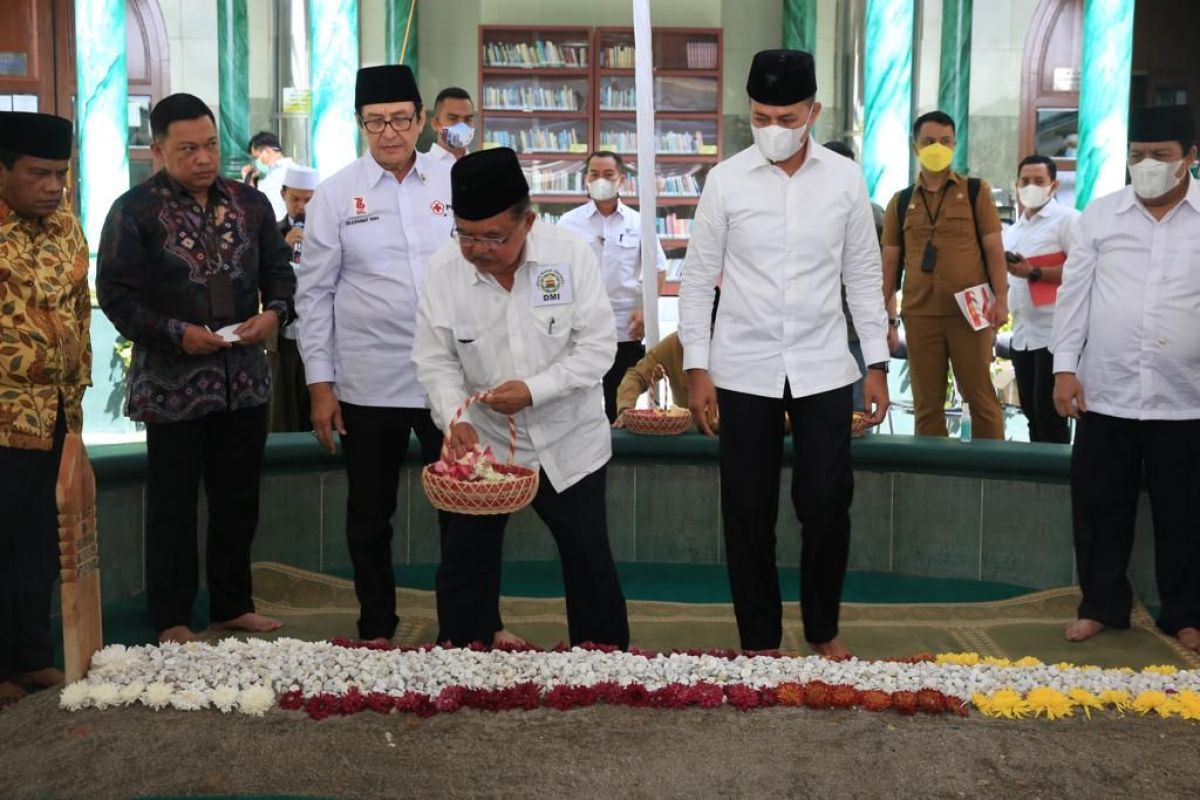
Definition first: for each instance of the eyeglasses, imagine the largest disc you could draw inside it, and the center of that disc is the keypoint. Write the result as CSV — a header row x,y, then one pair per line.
x,y
378,124
488,242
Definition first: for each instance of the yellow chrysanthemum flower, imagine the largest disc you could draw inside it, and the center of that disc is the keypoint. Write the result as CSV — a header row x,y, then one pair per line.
x,y
1064,665
1009,704
961,659
1027,661
1161,669
1050,702
1189,704
993,661
1117,698
1086,700
1157,702
1088,667
984,704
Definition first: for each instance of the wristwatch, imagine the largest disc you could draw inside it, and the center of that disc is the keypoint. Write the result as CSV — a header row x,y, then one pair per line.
x,y
282,314
894,322
881,365
1035,274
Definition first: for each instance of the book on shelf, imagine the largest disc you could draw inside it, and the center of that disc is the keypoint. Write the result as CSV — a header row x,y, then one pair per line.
x,y
684,143
617,57
701,55
665,186
673,226
542,140
531,98
539,53
616,98
555,181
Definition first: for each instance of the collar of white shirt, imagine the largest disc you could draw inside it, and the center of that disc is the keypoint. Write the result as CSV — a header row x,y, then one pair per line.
x,y
1192,198
594,210
375,171
1052,210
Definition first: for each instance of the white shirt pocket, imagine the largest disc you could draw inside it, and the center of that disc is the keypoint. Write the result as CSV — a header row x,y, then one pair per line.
x,y
474,348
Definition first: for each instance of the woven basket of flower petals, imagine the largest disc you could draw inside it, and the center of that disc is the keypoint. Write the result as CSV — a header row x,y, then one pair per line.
x,y
664,419
476,483
858,424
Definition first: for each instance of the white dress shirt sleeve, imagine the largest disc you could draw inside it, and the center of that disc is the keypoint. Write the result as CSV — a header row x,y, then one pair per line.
x,y
593,334
434,353
316,282
1073,309
862,275
701,268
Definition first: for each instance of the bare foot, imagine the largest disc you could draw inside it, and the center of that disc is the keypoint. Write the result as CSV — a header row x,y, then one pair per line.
x,y
1082,629
506,638
10,693
44,678
255,623
1189,638
834,650
180,634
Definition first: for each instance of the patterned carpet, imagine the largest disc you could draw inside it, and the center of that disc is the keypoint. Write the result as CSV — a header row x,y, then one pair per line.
x,y
317,606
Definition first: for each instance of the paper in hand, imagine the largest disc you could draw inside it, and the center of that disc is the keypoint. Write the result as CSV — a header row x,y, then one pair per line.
x,y
227,333
975,304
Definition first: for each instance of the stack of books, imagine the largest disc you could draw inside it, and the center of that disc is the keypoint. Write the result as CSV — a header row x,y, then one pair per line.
x,y
531,98
535,54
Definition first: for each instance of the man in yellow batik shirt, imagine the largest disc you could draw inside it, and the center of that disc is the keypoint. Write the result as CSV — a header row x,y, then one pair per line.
x,y
45,366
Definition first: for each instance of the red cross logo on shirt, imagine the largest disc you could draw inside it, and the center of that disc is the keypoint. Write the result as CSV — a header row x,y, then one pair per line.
x,y
438,207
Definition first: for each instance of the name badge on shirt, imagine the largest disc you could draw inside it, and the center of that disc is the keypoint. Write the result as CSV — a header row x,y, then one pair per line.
x,y
551,285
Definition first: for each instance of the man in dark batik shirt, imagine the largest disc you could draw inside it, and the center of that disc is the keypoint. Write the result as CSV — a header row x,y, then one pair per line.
x,y
192,269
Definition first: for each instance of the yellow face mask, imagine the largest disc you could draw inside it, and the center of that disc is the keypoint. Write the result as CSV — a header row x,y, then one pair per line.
x,y
935,157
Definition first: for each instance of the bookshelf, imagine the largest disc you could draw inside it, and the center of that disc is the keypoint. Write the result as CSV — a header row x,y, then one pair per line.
x,y
556,93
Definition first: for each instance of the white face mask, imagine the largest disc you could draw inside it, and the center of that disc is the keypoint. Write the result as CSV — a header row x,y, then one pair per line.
x,y
602,189
778,143
459,135
1034,196
1154,178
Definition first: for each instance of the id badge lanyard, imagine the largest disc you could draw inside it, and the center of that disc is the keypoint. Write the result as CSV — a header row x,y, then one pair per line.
x,y
220,279
929,257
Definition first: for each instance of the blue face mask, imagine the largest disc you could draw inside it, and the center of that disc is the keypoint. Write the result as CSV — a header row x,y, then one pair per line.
x,y
459,135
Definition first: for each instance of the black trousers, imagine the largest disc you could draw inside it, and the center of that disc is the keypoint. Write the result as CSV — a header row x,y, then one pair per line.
x,y
226,449
28,554
291,409
1110,459
375,444
1034,370
751,457
468,577
628,355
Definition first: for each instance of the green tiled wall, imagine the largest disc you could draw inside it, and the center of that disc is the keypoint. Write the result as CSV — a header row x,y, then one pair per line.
x,y
920,524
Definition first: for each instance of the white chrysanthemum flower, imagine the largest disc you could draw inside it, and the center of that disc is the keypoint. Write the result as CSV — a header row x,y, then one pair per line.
x,y
130,692
74,696
104,695
256,700
157,695
189,700
223,698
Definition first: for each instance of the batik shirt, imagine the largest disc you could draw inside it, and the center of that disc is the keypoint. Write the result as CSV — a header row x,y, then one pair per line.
x,y
45,309
158,251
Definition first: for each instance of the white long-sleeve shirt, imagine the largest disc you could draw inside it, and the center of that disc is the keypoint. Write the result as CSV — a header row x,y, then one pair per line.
x,y
553,330
1128,317
367,242
1045,233
617,242
784,246
271,185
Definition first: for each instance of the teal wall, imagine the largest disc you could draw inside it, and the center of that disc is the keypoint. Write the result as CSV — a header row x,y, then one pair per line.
x,y
928,507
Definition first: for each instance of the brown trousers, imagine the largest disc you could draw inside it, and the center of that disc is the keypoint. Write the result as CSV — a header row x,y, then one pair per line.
x,y
936,343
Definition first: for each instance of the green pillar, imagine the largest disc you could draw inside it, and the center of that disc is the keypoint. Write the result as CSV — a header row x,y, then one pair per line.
x,y
402,18
800,25
954,77
887,106
1104,98
334,63
233,48
101,111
